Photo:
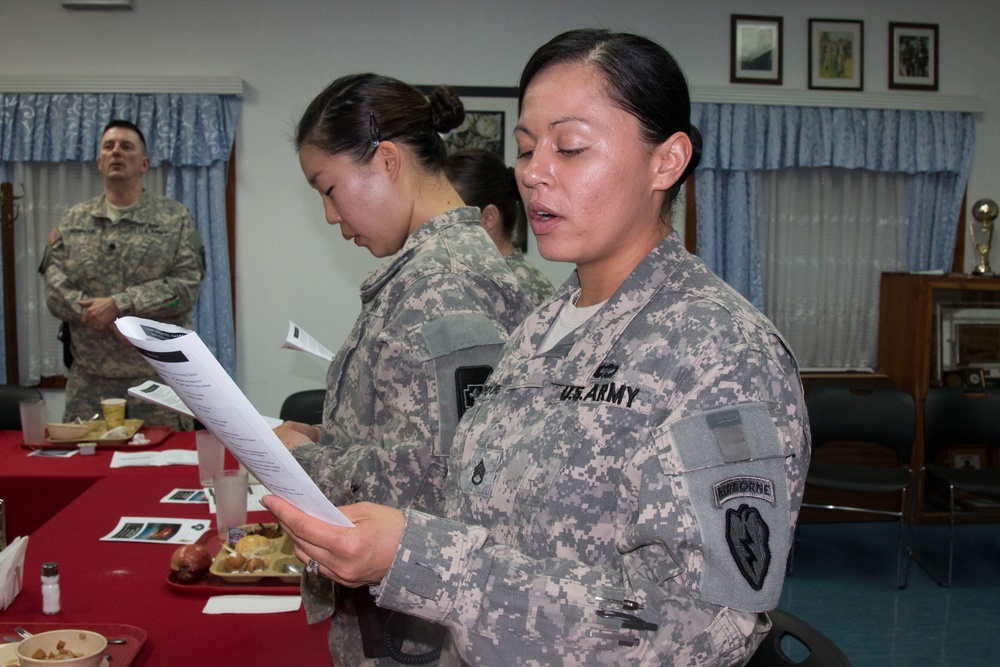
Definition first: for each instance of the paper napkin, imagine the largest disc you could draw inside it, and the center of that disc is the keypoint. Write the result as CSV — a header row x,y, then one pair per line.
x,y
252,604
12,570
167,457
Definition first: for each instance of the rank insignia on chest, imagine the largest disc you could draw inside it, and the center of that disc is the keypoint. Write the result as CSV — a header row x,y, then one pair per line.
x,y
478,473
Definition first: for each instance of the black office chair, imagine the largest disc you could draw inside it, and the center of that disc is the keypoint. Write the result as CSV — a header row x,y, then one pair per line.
x,y
789,637
879,416
304,406
11,396
956,417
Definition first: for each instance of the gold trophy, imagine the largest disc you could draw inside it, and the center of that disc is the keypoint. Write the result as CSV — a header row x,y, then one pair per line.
x,y
985,211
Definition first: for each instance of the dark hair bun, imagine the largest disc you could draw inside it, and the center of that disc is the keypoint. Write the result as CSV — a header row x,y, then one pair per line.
x,y
447,110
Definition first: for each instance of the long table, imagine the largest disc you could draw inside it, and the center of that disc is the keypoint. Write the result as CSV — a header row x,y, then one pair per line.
x,y
35,488
126,583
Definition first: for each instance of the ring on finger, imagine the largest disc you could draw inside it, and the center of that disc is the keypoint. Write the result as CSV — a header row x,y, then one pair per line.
x,y
313,566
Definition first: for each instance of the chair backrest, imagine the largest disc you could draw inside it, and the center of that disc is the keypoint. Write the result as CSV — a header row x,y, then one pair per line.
x,y
883,415
820,650
956,416
304,406
11,396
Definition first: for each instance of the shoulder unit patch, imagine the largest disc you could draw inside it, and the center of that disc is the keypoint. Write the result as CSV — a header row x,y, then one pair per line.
x,y
748,538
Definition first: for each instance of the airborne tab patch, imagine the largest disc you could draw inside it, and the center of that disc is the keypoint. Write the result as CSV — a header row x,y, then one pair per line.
x,y
743,486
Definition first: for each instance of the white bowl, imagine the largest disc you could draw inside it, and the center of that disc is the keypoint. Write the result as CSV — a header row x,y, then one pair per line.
x,y
67,431
90,644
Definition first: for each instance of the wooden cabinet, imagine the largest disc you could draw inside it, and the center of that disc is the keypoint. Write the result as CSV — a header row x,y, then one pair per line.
x,y
914,313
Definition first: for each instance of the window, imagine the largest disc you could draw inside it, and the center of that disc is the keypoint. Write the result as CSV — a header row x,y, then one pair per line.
x,y
824,237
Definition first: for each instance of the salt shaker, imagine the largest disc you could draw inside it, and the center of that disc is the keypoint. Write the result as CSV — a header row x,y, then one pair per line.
x,y
50,589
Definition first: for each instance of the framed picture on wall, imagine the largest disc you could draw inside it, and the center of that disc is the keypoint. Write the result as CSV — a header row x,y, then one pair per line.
x,y
973,458
97,4
756,49
490,116
913,56
836,54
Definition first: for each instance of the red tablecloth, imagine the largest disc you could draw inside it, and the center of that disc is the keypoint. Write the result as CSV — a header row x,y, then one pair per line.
x,y
35,488
118,582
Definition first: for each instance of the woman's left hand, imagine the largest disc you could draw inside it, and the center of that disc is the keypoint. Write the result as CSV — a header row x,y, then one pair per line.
x,y
295,434
353,557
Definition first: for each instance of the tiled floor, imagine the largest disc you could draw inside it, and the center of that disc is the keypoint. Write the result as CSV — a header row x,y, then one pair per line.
x,y
844,585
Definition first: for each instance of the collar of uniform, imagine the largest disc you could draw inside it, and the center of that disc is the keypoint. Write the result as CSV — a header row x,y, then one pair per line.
x,y
98,208
460,216
594,340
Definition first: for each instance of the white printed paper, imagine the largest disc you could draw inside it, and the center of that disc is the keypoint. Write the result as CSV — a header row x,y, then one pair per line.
x,y
157,530
55,453
181,359
298,339
161,394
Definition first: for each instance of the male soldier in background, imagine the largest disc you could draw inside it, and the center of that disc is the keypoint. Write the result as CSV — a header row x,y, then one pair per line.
x,y
125,252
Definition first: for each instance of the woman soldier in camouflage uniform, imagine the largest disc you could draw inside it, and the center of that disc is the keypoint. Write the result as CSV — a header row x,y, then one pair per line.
x,y
625,489
432,323
484,181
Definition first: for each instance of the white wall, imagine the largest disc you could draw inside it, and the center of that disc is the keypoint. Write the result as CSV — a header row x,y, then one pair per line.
x,y
290,264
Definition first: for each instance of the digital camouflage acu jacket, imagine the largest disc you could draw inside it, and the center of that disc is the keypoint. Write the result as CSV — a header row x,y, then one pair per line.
x,y
627,497
433,321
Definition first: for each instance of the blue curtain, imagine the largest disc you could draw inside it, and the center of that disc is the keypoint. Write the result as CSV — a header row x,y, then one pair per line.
x,y
191,134
933,147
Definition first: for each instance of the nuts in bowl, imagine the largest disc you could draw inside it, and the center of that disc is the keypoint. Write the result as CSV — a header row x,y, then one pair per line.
x,y
72,431
73,648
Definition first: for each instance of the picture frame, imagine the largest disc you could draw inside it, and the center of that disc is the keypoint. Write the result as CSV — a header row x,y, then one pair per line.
x,y
756,49
490,117
976,458
913,56
97,4
836,54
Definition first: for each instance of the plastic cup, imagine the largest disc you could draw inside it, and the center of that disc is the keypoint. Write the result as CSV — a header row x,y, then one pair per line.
x,y
114,412
33,421
211,456
230,489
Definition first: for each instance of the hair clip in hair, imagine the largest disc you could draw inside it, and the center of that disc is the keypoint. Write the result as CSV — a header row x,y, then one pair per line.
x,y
373,130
